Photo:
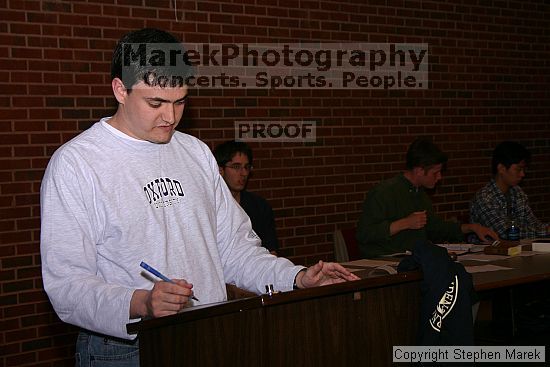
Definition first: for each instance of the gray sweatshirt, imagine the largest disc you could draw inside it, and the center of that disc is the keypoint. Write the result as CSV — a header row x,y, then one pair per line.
x,y
109,201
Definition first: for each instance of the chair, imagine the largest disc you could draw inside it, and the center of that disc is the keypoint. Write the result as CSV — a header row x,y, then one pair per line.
x,y
346,247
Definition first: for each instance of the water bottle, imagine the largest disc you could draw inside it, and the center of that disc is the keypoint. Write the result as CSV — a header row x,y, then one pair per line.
x,y
542,233
513,232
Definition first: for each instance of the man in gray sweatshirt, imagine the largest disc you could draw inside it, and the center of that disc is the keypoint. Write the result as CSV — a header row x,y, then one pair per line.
x,y
132,189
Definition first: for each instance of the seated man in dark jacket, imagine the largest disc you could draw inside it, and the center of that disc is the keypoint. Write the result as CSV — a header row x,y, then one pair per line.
x,y
398,213
235,162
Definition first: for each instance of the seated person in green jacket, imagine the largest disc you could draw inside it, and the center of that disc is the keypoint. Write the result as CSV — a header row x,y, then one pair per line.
x,y
398,213
234,159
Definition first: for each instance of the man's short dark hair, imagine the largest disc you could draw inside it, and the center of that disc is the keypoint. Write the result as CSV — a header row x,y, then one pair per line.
x,y
128,67
227,150
424,153
508,153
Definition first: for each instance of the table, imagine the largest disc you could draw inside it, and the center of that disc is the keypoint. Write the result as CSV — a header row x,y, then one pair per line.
x,y
525,269
503,294
353,323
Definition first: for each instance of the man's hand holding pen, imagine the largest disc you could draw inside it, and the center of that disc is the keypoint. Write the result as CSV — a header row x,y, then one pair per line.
x,y
166,298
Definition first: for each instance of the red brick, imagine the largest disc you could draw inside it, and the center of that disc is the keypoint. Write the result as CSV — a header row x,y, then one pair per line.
x,y
9,349
15,188
25,28
34,296
14,237
45,138
12,39
18,310
36,344
21,359
22,334
58,78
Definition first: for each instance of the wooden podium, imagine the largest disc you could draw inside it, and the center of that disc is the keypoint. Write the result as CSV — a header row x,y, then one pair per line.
x,y
347,324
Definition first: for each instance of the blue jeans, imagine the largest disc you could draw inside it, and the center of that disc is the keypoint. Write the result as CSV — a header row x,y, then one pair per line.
x,y
95,350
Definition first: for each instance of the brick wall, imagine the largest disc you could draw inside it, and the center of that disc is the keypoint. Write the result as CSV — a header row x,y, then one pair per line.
x,y
489,81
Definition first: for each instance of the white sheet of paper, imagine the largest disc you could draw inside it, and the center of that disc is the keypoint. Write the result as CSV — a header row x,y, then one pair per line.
x,y
482,257
369,263
528,253
456,246
485,268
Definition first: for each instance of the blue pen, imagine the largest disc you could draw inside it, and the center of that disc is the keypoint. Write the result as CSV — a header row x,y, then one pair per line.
x,y
157,273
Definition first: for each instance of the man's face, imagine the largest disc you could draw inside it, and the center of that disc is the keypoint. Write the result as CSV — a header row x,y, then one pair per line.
x,y
235,172
512,175
150,113
430,176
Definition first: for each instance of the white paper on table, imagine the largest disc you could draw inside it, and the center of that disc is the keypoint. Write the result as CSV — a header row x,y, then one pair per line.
x,y
454,247
482,257
368,263
485,268
462,248
527,253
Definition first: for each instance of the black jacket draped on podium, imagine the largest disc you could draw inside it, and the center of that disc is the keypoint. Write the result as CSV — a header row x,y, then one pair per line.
x,y
447,297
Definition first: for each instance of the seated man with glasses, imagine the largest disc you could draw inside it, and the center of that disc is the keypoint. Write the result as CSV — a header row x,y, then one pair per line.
x,y
235,163
502,202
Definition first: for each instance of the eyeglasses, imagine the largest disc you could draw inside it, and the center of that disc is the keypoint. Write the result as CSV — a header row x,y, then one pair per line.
x,y
238,167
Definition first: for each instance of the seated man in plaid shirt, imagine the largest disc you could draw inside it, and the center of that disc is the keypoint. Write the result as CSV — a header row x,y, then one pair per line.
x,y
502,202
